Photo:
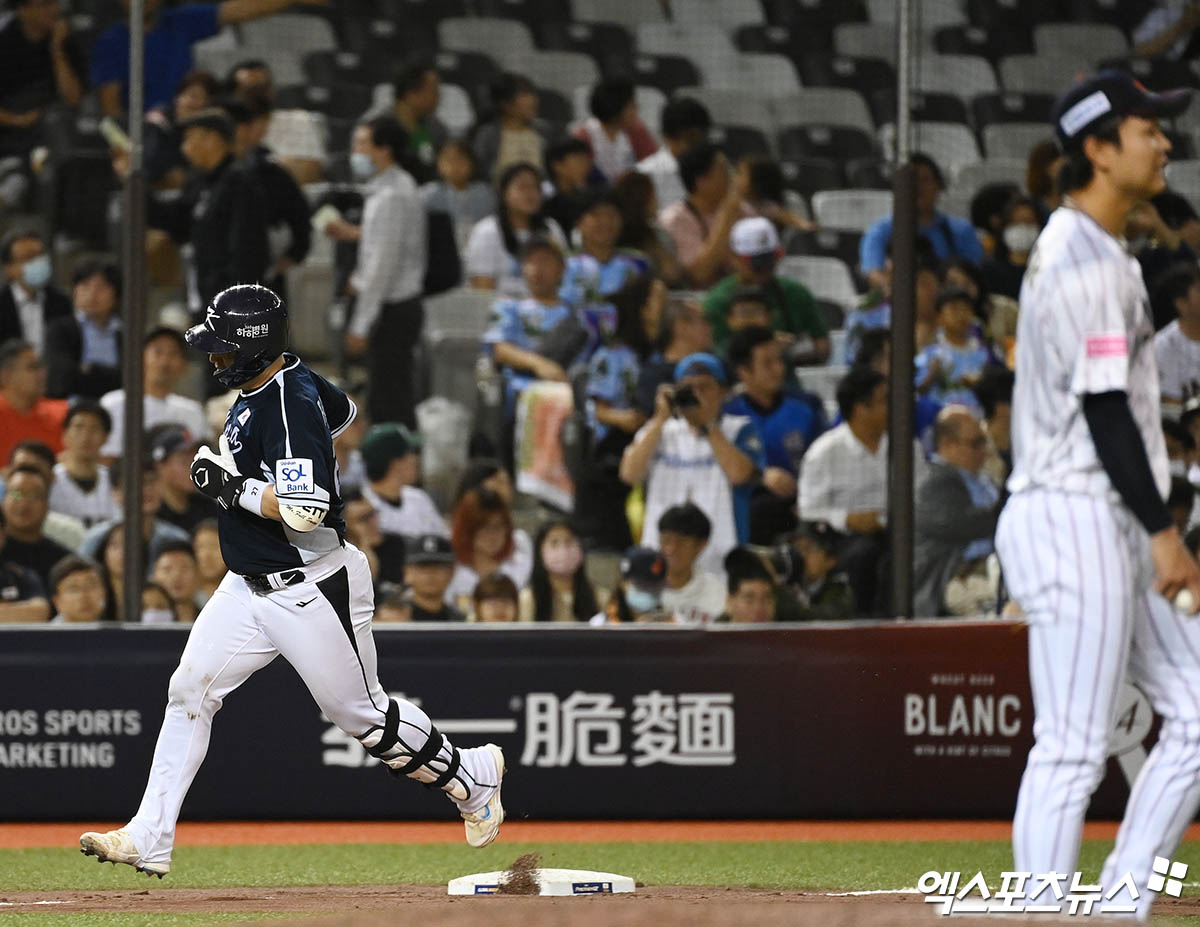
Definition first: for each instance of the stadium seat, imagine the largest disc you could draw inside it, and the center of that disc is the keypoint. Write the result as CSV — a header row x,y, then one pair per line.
x,y
561,70
384,43
426,12
297,32
826,141
727,13
1014,140
949,143
868,174
1042,73
341,101
706,45
507,42
827,278
838,243
929,15
834,315
864,75
1125,16
555,107
455,109
768,75
734,106
343,67
739,141
866,40
1184,178
813,13
965,76
668,73
975,40
1098,40
925,107
811,175
1158,74
851,210
836,106
626,12
1015,15
610,45
995,108
530,12
780,40
220,61
472,71
979,174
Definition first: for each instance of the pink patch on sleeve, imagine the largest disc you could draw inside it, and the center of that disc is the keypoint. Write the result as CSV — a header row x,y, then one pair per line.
x,y
1107,346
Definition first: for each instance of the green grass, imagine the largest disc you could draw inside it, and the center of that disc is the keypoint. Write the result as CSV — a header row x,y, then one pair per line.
x,y
779,865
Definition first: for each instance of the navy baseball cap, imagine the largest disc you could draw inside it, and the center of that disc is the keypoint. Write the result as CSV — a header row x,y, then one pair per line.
x,y
701,363
645,568
428,548
1107,93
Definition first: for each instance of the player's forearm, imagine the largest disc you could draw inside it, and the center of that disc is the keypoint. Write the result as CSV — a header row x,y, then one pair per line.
x,y
270,505
1122,453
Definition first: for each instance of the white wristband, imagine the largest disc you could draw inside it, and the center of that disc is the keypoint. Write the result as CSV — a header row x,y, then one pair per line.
x,y
251,498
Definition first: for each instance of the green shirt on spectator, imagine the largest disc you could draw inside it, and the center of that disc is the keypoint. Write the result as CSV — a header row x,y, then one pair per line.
x,y
793,308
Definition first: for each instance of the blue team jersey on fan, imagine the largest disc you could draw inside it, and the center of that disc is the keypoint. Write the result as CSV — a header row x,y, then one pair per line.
x,y
787,429
283,432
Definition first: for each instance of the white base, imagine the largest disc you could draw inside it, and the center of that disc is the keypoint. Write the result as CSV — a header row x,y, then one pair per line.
x,y
557,882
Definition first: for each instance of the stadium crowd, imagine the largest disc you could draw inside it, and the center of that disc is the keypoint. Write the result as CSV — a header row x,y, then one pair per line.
x,y
725,429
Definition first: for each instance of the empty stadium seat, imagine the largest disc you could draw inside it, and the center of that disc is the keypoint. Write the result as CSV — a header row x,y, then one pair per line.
x,y
866,40
1184,178
996,15
563,70
610,45
929,15
992,108
735,106
852,210
809,13
864,75
965,76
949,143
824,106
826,141
666,72
530,12
1098,40
296,32
838,243
426,12
768,75
383,41
455,109
827,278
739,141
780,40
727,13
555,107
342,101
976,40
472,71
1014,139
925,107
625,12
811,175
708,46
506,41
974,176
1042,73
343,67
868,174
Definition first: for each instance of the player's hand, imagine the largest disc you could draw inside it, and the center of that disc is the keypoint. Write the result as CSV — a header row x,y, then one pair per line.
x,y
1175,568
216,475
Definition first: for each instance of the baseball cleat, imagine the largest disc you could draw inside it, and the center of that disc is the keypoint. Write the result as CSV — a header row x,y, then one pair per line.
x,y
117,846
484,824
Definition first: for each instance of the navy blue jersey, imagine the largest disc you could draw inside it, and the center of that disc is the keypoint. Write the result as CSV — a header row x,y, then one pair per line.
x,y
283,432
788,427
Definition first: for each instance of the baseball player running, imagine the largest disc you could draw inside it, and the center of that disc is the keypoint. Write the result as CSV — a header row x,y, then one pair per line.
x,y
1087,544
296,587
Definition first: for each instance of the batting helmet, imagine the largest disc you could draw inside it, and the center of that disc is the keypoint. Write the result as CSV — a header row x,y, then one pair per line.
x,y
248,321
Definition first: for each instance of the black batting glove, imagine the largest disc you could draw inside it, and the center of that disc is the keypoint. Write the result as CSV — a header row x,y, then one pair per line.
x,y
217,477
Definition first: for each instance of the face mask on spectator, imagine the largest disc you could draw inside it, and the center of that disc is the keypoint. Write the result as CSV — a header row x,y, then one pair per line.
x,y
36,271
361,165
1020,238
640,601
157,616
563,559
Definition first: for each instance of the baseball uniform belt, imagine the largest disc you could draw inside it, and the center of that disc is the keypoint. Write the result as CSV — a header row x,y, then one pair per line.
x,y
266,583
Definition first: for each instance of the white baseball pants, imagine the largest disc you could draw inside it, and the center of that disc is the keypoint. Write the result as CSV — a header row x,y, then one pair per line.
x,y
1080,569
323,628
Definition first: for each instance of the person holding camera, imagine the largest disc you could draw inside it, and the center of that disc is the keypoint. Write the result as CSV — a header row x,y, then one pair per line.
x,y
690,451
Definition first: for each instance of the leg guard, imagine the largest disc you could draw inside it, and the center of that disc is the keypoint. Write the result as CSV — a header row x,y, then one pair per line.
x,y
425,756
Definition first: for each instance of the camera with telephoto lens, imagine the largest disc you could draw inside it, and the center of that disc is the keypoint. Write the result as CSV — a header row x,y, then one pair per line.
x,y
685,397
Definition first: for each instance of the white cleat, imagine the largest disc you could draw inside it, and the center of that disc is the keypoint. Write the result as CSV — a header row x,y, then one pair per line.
x,y
484,824
117,846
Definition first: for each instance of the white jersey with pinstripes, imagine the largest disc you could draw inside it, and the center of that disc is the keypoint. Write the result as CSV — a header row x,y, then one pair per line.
x,y
1084,328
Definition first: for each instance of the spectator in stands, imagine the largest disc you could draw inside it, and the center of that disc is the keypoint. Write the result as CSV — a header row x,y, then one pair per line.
x,y
559,588
111,557
538,337
514,134
157,607
222,213
599,269
82,488
986,212
690,451
956,511
690,595
389,278
495,599
487,473
428,569
568,169
26,498
795,315
175,570
164,363
950,236
347,446
83,350
41,67
393,606
1177,347
641,230
210,565
77,591
1180,216
289,230
844,479
787,421
1041,177
170,35
362,530
29,302
875,312
155,531
22,594
612,127
1157,246
683,330
1004,271
685,123
64,529
748,307
484,541
948,369
638,596
494,248
24,411
458,191
418,92
699,225
163,160
172,449
296,136
995,314
751,588
1167,31
392,455
995,391
760,183
822,588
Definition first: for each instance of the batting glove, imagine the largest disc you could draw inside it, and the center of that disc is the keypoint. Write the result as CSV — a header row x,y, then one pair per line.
x,y
216,475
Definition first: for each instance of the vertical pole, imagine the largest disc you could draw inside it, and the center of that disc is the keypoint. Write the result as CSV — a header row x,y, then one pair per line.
x,y
901,393
135,321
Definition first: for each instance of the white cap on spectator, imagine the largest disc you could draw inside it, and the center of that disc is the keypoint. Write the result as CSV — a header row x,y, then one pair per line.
x,y
752,237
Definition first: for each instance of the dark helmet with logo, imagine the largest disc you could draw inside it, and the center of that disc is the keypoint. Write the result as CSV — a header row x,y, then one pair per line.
x,y
248,321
